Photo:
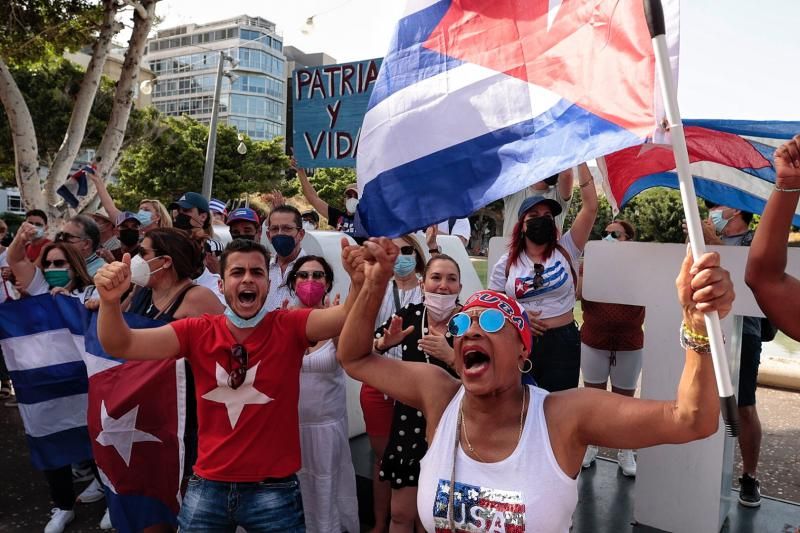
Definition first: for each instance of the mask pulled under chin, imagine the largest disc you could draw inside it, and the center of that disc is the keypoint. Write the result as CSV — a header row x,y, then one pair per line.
x,y
245,323
440,306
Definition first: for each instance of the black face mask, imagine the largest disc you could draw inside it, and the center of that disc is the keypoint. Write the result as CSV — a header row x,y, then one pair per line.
x,y
183,221
129,237
541,230
245,237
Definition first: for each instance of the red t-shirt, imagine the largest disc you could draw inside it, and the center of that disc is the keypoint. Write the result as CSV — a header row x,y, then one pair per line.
x,y
250,433
33,250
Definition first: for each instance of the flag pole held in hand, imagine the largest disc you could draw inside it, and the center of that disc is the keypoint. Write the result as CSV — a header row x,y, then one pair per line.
x,y
655,21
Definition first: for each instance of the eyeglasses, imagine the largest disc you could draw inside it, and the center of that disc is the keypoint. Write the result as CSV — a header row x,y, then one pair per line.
x,y
63,236
490,321
316,274
286,228
407,250
58,263
615,234
238,364
538,276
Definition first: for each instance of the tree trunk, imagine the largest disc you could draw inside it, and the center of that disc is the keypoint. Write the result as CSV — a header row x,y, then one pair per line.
x,y
73,138
108,152
26,150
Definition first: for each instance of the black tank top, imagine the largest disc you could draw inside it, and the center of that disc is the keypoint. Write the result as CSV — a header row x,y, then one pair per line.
x,y
142,304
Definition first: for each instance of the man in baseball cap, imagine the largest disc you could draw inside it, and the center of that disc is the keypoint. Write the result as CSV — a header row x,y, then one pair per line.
x,y
193,212
127,227
244,224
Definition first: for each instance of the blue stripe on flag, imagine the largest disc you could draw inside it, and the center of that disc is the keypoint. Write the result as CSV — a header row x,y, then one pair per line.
x,y
50,382
132,513
407,61
39,315
92,342
710,190
60,449
458,180
775,129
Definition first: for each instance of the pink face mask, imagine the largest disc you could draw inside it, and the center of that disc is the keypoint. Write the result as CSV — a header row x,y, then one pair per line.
x,y
310,292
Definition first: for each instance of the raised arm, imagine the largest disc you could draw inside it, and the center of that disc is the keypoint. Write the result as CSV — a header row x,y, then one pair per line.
x,y
566,182
590,416
115,336
327,323
22,268
105,199
584,220
777,293
308,190
426,387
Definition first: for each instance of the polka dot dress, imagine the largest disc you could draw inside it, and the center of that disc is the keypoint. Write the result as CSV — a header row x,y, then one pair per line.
x,y
407,445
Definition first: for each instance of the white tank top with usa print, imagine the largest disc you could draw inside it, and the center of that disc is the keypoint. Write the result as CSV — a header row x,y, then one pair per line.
x,y
524,493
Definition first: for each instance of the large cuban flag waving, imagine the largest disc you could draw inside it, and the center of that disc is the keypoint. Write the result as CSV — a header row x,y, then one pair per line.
x,y
478,99
732,162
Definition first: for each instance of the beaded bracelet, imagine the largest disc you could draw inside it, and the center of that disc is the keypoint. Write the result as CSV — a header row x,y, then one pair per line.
x,y
691,340
783,189
586,184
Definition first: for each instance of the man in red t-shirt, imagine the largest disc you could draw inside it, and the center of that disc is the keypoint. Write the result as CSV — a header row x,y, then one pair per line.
x,y
33,249
246,365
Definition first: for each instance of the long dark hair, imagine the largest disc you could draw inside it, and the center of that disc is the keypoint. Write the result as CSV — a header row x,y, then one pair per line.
x,y
517,245
80,276
187,258
291,278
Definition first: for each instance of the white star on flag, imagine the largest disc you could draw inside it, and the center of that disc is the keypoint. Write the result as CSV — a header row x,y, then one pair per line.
x,y
121,432
236,399
552,12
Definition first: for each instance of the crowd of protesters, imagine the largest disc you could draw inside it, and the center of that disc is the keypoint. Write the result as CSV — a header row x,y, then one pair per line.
x,y
453,388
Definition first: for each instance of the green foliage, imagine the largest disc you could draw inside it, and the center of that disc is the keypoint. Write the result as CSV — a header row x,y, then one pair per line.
x,y
170,162
330,184
49,89
657,215
32,30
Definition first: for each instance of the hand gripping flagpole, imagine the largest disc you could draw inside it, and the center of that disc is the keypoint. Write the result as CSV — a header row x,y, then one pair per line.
x,y
655,21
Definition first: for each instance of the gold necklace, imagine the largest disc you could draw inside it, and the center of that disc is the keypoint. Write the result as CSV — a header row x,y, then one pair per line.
x,y
472,450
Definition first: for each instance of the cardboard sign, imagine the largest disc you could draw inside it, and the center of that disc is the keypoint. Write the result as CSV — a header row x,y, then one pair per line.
x,y
329,104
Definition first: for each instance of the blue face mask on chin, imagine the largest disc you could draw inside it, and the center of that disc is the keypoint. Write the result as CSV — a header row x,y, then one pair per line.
x,y
244,323
404,265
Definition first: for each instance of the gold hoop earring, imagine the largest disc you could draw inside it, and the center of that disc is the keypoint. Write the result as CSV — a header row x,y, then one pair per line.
x,y
524,370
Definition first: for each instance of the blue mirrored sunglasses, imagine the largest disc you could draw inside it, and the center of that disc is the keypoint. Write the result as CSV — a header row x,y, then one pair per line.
x,y
490,321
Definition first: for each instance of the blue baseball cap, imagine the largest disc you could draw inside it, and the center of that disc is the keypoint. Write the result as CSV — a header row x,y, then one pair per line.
x,y
125,216
243,213
532,201
190,200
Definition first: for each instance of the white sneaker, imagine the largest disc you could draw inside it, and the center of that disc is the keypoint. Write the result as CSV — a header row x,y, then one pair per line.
x,y
92,493
589,456
105,523
627,462
59,520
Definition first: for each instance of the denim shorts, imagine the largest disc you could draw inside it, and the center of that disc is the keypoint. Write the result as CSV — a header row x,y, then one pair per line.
x,y
271,505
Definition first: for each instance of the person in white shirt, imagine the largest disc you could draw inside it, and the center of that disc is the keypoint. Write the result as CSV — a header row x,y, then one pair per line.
x,y
285,232
219,214
557,188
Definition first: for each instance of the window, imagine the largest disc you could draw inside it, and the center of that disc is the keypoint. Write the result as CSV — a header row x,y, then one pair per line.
x,y
277,45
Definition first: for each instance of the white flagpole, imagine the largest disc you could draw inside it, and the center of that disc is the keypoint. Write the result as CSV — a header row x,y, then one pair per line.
x,y
655,20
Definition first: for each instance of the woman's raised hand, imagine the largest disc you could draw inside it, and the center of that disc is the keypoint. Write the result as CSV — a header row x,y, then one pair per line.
x,y
380,255
703,287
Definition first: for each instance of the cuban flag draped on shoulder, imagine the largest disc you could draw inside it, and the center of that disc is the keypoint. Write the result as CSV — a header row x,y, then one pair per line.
x,y
732,162
478,99
42,341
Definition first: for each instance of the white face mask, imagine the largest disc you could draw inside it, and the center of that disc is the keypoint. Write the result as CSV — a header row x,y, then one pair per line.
x,y
308,226
140,270
351,204
440,306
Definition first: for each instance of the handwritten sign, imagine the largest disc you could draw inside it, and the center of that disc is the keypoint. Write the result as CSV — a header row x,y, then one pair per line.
x,y
329,103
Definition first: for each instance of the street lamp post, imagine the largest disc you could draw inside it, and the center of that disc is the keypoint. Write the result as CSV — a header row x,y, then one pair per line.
x,y
211,148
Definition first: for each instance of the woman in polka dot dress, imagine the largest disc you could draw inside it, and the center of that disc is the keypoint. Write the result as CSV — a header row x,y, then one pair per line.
x,y
420,330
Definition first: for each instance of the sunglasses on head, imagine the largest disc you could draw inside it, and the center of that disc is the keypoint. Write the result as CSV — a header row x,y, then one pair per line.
x,y
316,274
490,321
63,236
407,250
58,263
615,234
238,364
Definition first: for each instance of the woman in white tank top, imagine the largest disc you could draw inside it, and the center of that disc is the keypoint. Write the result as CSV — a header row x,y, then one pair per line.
x,y
504,456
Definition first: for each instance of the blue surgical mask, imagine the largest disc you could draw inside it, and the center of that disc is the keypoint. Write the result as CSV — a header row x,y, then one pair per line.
x,y
283,244
244,323
719,221
610,238
144,217
404,265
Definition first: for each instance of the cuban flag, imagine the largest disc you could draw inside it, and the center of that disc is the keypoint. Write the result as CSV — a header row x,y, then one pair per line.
x,y
478,99
732,162
42,341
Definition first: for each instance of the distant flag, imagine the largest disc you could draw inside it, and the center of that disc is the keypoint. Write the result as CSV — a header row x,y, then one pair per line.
x,y
42,342
478,99
731,161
